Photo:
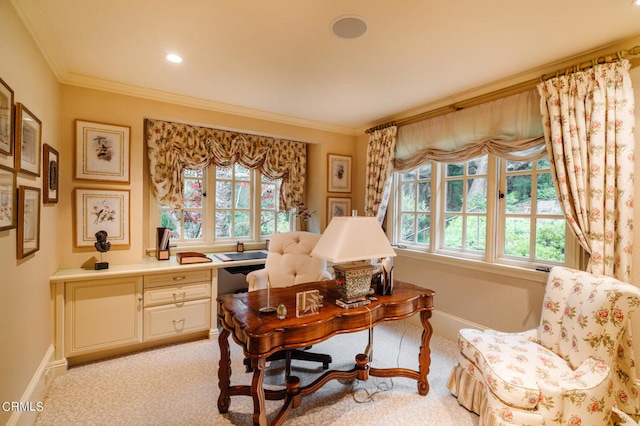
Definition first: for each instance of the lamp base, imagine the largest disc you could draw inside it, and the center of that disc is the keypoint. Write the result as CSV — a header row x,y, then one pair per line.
x,y
353,280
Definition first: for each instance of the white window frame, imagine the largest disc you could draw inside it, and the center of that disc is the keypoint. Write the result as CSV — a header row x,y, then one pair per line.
x,y
491,256
209,240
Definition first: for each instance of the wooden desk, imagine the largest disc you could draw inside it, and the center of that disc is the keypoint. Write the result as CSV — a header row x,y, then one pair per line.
x,y
261,335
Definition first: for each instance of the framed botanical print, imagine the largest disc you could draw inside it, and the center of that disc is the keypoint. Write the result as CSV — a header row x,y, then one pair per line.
x,y
7,198
102,152
28,141
101,210
50,172
339,175
7,118
339,206
28,221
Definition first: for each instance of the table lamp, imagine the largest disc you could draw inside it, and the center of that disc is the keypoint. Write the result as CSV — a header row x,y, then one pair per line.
x,y
349,242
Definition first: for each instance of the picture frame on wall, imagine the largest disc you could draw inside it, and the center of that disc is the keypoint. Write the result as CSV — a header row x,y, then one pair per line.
x,y
101,210
339,173
338,206
7,198
7,118
28,141
28,221
102,152
50,160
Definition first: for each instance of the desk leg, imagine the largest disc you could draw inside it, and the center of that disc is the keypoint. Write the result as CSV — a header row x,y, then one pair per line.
x,y
257,391
224,372
425,353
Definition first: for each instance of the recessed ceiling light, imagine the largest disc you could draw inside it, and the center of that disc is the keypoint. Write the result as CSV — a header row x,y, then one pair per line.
x,y
636,2
172,57
349,27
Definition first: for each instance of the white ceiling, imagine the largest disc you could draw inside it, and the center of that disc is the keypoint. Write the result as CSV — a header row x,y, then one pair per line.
x,y
278,59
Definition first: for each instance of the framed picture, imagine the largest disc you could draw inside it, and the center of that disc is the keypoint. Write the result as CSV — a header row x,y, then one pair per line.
x,y
339,206
7,198
7,118
28,141
102,152
28,221
339,173
50,172
101,210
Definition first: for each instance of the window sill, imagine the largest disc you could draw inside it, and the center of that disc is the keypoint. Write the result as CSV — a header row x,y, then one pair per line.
x,y
476,265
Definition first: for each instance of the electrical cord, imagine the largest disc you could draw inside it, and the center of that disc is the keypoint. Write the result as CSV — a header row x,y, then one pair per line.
x,y
380,385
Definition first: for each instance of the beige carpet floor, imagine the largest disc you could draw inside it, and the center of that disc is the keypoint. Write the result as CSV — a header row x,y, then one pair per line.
x,y
178,385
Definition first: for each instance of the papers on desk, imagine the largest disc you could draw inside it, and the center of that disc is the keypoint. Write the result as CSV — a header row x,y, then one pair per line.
x,y
246,255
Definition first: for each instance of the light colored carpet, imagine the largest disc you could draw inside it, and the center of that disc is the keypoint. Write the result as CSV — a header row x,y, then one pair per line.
x,y
178,385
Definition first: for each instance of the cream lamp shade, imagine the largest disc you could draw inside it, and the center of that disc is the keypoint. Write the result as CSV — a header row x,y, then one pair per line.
x,y
353,238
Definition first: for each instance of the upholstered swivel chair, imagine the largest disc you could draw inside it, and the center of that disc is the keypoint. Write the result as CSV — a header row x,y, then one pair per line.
x,y
577,367
289,262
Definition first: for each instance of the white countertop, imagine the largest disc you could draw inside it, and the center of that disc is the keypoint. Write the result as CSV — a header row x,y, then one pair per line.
x,y
150,265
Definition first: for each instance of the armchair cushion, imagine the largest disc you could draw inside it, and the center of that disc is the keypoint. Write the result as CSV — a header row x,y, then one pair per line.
x,y
511,365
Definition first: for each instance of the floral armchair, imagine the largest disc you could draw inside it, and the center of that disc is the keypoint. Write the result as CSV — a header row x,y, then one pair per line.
x,y
576,368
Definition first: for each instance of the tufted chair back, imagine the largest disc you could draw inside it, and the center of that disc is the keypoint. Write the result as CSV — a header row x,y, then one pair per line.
x,y
289,260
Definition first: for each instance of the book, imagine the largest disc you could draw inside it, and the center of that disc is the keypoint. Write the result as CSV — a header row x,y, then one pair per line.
x,y
192,257
351,305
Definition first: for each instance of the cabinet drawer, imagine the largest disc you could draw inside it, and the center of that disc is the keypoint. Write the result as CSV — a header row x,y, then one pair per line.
x,y
176,294
177,277
171,320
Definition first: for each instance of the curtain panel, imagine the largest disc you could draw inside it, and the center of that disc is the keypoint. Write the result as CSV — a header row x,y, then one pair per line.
x,y
380,150
589,124
173,146
509,128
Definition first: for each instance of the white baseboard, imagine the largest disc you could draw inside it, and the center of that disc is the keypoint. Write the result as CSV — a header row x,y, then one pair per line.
x,y
446,325
34,395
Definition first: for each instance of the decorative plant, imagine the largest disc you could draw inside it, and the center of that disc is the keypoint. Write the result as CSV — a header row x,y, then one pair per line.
x,y
302,212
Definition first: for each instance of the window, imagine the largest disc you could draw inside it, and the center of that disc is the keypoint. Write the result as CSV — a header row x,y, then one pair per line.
x,y
453,209
244,207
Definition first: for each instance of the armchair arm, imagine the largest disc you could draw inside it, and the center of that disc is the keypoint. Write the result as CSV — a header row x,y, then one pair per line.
x,y
584,394
258,279
531,334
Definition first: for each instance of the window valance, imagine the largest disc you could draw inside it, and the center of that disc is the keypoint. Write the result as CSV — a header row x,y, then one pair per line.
x,y
510,127
173,146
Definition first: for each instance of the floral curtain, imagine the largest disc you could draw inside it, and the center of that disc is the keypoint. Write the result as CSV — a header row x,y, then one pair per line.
x,y
380,152
588,120
173,146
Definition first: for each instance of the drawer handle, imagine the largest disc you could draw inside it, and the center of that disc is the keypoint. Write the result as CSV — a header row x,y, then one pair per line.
x,y
180,278
181,293
177,321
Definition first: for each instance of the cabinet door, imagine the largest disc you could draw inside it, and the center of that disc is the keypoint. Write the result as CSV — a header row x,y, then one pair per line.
x,y
102,314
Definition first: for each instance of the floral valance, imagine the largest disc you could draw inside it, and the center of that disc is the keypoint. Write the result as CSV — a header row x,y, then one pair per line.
x,y
173,146
509,128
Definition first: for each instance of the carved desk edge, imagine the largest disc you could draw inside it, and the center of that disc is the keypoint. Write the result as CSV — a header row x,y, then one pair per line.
x,y
261,335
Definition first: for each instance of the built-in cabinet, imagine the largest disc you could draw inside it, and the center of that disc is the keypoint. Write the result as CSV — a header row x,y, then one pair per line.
x,y
104,313
176,303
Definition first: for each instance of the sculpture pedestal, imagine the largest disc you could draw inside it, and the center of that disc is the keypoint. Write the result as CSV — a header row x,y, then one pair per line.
x,y
101,265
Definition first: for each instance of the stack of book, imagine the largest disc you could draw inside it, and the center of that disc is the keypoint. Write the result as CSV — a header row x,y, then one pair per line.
x,y
192,257
350,304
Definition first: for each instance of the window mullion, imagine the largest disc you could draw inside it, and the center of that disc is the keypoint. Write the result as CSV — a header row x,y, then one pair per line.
x,y
494,181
